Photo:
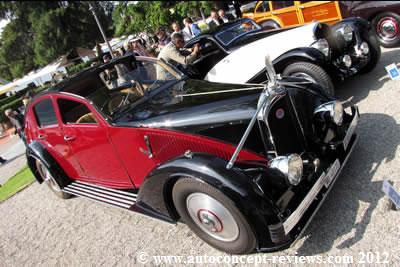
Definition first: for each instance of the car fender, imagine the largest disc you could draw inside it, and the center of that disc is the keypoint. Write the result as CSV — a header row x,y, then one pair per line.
x,y
360,26
155,191
36,151
307,54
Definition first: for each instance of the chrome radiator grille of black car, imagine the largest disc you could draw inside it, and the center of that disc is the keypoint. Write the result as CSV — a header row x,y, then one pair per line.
x,y
285,127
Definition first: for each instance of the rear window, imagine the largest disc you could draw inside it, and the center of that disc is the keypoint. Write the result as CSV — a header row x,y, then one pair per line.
x,y
282,4
44,113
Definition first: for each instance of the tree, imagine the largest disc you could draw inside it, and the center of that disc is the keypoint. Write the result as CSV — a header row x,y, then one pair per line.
x,y
41,31
149,15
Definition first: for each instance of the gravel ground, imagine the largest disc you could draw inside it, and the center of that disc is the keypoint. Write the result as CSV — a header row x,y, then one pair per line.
x,y
13,150
37,229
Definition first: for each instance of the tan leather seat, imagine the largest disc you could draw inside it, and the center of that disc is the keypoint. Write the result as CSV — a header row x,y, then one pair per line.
x,y
87,118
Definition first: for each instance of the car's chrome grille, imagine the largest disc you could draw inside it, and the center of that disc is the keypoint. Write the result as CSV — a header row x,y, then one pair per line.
x,y
115,197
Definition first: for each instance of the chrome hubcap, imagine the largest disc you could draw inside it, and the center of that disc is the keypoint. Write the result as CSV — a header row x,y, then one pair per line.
x,y
212,217
304,76
47,177
387,28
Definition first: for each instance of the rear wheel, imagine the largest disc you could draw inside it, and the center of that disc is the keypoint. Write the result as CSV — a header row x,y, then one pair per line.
x,y
311,72
213,216
48,178
387,28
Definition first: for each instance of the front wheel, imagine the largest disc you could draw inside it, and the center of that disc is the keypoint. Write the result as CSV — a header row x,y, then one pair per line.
x,y
48,178
213,216
311,72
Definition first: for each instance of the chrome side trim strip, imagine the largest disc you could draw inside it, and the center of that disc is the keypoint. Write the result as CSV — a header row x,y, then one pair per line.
x,y
106,188
79,186
100,194
79,193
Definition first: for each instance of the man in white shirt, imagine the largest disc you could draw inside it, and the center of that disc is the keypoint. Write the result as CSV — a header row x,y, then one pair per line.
x,y
191,29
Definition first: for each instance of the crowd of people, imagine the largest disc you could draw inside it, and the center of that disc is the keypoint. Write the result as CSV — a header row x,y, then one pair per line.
x,y
168,43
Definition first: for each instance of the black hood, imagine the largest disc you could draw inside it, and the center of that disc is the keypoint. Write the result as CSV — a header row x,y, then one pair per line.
x,y
193,113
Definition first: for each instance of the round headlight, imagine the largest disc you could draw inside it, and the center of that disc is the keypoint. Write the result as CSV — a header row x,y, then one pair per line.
x,y
337,115
291,166
347,33
335,109
347,61
295,169
364,48
322,45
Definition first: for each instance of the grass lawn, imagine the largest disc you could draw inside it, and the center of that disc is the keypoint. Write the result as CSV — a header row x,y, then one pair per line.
x,y
19,181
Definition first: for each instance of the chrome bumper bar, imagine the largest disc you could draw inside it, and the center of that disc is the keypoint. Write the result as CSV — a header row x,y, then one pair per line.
x,y
323,181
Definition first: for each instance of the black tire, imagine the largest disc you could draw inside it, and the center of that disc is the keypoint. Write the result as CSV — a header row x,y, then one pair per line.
x,y
388,40
374,54
52,183
245,242
315,72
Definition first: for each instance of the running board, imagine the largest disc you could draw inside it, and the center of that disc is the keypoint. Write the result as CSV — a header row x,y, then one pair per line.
x,y
114,197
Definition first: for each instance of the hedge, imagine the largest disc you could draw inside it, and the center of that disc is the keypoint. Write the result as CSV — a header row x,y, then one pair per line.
x,y
79,67
8,99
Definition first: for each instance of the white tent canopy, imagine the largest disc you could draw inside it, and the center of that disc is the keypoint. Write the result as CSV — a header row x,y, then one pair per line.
x,y
38,77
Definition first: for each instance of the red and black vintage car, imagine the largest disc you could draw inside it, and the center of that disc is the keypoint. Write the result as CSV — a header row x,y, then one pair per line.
x,y
244,166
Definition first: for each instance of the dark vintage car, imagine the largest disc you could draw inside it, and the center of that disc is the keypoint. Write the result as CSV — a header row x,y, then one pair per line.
x,y
234,52
383,15
244,166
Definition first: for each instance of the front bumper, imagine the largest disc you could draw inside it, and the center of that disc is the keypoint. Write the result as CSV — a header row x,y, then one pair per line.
x,y
288,231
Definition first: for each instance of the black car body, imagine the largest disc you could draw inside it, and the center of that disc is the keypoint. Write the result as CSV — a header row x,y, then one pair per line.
x,y
252,162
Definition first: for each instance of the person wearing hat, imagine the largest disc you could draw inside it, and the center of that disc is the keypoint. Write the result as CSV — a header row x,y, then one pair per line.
x,y
136,48
173,52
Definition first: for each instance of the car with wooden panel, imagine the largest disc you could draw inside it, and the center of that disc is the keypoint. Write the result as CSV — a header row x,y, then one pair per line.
x,y
383,15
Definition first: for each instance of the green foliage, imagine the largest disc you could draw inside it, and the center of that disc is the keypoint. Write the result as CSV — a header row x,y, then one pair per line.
x,y
8,99
149,15
79,67
41,31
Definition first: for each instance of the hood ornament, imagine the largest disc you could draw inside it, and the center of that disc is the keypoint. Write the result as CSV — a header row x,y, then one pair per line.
x,y
273,84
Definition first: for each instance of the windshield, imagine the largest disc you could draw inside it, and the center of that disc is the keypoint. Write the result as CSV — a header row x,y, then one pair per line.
x,y
237,30
126,82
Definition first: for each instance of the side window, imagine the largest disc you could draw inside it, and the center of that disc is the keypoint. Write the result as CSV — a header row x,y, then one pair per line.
x,y
263,7
44,113
282,4
75,112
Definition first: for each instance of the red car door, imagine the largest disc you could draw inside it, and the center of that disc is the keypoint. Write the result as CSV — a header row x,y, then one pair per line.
x,y
47,130
87,135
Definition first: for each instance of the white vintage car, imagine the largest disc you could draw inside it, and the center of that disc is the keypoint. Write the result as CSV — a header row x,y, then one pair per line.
x,y
235,52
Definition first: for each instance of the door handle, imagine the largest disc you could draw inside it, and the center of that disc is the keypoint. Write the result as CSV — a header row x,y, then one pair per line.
x,y
42,136
69,137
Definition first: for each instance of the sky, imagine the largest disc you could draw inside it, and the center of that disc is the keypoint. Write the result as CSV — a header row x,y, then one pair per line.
x,y
3,23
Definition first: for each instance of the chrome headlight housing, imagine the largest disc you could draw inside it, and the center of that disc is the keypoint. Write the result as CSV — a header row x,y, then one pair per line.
x,y
322,45
291,166
347,32
335,109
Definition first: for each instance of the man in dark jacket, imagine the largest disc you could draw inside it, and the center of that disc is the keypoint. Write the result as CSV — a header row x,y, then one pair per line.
x,y
17,120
